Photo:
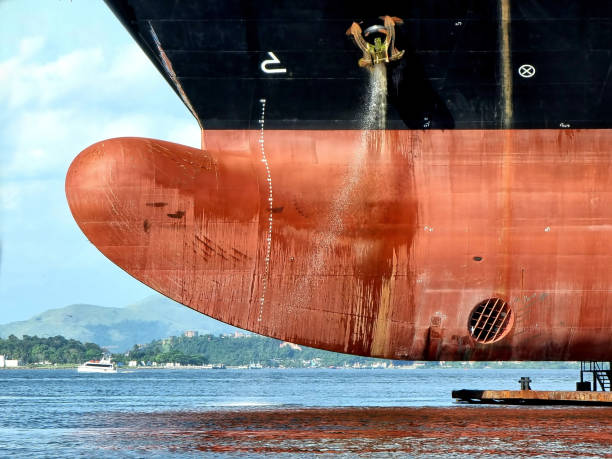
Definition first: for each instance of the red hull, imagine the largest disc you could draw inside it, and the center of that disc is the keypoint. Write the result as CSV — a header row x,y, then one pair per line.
x,y
377,243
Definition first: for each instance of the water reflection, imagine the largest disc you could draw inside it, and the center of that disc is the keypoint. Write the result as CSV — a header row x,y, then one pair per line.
x,y
427,432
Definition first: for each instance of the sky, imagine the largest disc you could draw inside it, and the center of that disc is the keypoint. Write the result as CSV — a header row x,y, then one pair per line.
x,y
70,75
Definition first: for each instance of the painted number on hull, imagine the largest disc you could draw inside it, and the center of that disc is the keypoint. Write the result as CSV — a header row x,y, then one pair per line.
x,y
266,65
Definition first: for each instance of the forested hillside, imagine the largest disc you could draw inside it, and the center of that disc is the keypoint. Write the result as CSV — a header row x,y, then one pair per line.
x,y
57,349
242,350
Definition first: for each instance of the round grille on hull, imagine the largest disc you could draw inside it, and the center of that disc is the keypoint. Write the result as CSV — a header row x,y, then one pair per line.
x,y
490,320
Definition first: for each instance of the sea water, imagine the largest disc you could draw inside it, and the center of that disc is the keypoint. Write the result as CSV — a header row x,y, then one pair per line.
x,y
60,413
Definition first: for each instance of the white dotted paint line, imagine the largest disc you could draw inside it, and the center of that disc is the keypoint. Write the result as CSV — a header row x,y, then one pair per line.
x,y
264,160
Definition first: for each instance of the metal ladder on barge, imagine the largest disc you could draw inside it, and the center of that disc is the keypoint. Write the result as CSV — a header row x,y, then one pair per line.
x,y
601,375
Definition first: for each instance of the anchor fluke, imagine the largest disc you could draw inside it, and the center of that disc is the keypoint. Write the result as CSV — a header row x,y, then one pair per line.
x,y
379,51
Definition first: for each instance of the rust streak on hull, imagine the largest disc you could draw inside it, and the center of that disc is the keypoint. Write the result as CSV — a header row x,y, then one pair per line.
x,y
434,223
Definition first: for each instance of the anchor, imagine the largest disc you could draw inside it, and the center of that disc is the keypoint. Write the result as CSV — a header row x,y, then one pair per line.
x,y
377,52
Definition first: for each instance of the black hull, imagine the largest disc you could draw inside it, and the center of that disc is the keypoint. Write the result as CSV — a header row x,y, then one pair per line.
x,y
460,69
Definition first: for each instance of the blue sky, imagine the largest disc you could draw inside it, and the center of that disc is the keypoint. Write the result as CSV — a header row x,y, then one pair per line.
x,y
70,75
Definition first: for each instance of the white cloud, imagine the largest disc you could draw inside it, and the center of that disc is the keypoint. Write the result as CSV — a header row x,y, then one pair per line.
x,y
186,134
30,45
10,197
26,84
60,106
130,63
88,76
18,199
34,140
128,125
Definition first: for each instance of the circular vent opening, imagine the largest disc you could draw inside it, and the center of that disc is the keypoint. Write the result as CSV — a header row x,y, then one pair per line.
x,y
490,320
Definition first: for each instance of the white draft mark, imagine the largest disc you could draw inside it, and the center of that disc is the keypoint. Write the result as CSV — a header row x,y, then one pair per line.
x,y
265,65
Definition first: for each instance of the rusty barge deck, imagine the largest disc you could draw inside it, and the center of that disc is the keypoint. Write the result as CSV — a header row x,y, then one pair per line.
x,y
534,397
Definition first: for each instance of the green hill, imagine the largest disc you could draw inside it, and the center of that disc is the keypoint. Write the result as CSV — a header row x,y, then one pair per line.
x,y
118,329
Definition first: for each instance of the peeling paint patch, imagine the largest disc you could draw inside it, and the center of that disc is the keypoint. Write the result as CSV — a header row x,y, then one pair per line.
x,y
170,71
210,247
156,204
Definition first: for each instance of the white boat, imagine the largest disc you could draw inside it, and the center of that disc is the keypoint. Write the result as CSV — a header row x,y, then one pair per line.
x,y
103,365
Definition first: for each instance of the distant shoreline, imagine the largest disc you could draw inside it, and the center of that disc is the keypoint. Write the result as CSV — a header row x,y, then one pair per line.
x,y
124,369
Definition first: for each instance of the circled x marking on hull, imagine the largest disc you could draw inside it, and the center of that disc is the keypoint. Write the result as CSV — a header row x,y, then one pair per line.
x,y
526,70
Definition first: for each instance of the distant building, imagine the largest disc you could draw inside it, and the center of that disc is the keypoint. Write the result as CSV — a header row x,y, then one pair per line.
x,y
291,345
6,363
132,363
191,333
